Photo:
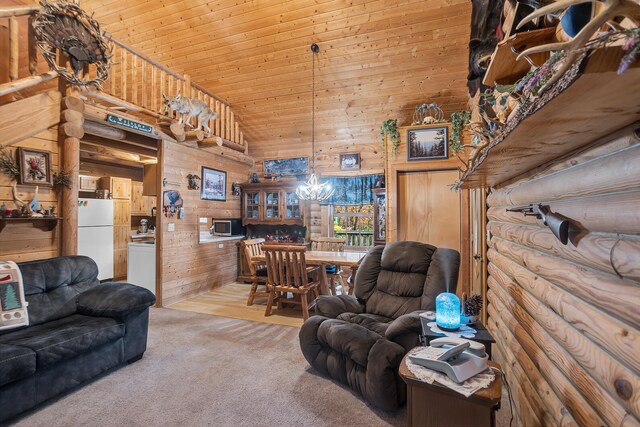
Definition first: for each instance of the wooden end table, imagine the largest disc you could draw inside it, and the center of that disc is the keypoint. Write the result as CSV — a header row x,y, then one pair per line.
x,y
483,336
437,405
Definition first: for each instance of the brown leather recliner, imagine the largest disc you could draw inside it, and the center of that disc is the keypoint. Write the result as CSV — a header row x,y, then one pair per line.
x,y
360,340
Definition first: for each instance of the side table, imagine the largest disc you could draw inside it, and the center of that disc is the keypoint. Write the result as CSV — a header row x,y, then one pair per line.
x,y
483,336
437,405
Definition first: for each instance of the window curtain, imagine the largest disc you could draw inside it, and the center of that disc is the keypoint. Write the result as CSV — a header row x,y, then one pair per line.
x,y
352,190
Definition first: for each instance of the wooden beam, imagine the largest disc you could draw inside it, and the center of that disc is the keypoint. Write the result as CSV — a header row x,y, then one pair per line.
x,y
26,82
110,161
29,116
119,102
14,52
116,154
123,146
6,12
99,114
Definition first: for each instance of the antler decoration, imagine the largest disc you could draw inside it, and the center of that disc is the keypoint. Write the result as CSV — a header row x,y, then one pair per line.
x,y
610,9
17,200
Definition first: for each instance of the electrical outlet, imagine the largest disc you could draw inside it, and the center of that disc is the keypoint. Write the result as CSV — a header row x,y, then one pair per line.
x,y
172,227
204,220
220,245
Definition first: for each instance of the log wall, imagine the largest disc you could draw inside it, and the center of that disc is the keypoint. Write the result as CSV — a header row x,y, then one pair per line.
x,y
566,318
22,241
190,268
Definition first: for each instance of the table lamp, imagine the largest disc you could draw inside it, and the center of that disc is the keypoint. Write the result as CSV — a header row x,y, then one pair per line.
x,y
448,311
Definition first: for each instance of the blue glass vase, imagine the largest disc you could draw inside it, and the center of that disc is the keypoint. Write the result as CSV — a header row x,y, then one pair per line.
x,y
448,311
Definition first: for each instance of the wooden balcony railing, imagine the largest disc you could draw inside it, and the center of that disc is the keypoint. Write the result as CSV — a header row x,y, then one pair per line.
x,y
136,82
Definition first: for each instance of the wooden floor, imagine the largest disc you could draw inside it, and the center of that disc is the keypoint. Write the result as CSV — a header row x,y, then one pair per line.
x,y
231,301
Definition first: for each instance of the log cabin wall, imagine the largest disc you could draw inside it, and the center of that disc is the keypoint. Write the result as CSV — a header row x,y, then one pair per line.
x,y
187,267
23,241
566,318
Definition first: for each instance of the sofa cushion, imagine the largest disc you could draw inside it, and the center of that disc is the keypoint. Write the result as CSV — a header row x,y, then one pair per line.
x,y
352,341
401,280
114,299
372,322
52,285
65,338
16,363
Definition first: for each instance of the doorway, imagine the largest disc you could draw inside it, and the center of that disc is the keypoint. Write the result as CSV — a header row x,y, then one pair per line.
x,y
428,210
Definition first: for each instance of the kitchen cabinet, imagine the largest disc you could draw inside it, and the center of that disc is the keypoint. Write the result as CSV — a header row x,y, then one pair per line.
x,y
119,188
271,203
150,180
140,204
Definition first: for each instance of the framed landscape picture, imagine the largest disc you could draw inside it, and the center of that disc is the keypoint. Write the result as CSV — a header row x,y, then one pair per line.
x,y
428,143
286,167
349,161
35,167
214,185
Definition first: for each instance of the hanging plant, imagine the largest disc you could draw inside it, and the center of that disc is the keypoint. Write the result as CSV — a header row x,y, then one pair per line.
x,y
459,120
62,179
8,165
390,129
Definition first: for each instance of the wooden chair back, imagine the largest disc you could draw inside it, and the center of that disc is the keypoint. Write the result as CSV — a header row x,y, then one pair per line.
x,y
286,265
252,247
330,244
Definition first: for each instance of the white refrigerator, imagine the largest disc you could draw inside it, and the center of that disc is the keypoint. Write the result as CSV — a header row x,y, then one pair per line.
x,y
95,233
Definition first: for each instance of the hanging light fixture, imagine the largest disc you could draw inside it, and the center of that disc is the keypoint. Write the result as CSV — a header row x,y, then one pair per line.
x,y
313,189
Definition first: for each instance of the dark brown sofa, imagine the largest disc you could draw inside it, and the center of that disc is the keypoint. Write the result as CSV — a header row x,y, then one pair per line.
x,y
360,340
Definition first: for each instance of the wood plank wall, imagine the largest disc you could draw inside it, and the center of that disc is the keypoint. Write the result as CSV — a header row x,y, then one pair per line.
x,y
396,164
190,268
22,241
566,318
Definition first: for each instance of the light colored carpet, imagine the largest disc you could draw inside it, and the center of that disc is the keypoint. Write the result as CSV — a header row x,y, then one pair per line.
x,y
202,370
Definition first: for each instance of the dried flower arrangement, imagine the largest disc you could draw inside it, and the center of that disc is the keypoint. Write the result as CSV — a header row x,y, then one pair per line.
x,y
8,164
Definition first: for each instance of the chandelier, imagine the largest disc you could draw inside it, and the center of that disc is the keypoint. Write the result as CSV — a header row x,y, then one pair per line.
x,y
313,189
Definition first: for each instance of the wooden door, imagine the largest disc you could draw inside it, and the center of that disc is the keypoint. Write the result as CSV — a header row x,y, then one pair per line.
x,y
428,210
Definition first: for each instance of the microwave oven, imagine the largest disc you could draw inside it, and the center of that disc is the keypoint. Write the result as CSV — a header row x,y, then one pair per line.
x,y
227,227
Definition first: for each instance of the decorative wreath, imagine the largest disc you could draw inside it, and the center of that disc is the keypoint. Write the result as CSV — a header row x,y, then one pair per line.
x,y
65,26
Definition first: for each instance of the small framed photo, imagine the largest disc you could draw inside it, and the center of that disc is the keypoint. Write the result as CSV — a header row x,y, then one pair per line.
x,y
428,143
35,167
349,161
214,185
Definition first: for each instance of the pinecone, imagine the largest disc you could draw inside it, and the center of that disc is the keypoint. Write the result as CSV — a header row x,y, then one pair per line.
x,y
473,305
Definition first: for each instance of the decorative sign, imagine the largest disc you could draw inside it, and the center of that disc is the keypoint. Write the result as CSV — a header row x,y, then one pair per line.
x,y
119,121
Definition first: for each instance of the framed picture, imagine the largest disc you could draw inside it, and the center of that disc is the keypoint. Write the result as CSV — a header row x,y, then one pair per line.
x,y
286,167
35,167
214,185
349,161
428,143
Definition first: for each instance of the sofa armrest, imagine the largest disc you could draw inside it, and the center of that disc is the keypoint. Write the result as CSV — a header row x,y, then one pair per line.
x,y
406,324
333,306
114,300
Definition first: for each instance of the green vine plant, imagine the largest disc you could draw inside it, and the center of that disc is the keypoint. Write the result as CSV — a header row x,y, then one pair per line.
x,y
390,129
459,120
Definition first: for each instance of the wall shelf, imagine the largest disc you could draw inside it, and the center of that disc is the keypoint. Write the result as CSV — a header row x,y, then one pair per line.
x,y
47,224
595,105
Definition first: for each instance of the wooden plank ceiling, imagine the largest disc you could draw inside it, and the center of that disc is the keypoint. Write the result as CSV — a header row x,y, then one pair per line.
x,y
377,60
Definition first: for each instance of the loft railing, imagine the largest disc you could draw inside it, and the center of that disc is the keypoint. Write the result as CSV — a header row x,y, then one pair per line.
x,y
136,82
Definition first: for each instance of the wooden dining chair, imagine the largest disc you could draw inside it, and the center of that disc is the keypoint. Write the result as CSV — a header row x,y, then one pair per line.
x,y
335,274
252,248
287,272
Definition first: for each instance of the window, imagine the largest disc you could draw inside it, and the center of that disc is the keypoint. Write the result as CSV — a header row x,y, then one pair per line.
x,y
355,223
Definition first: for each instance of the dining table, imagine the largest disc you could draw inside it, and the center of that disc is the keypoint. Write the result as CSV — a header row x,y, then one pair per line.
x,y
349,259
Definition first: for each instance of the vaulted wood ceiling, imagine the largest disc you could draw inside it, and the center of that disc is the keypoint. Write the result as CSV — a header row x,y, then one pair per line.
x,y
377,60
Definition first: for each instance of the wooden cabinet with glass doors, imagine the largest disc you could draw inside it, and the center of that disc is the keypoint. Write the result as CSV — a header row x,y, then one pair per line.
x,y
271,203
